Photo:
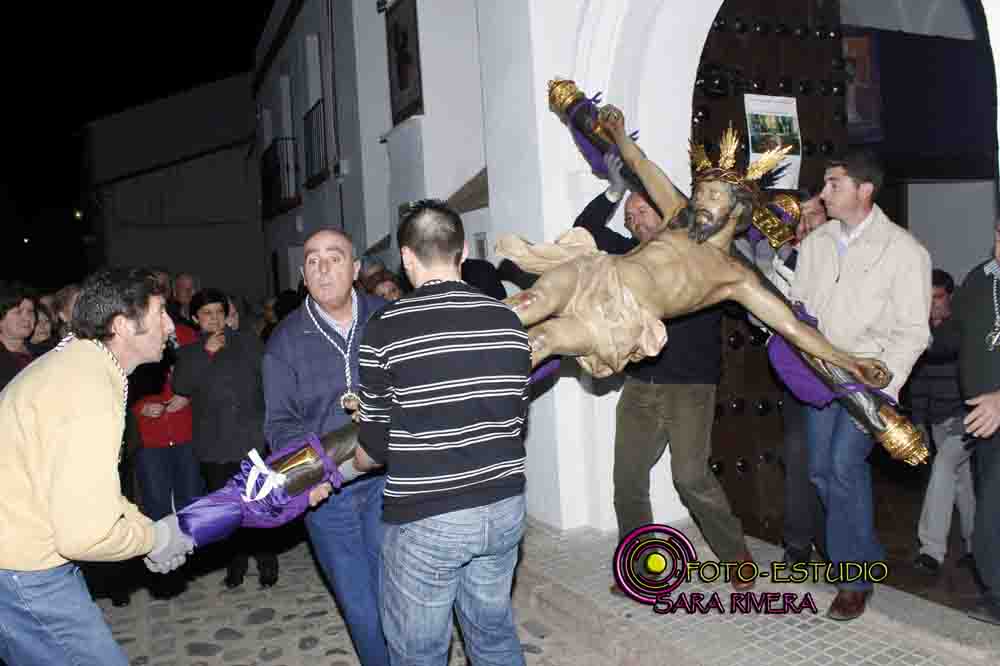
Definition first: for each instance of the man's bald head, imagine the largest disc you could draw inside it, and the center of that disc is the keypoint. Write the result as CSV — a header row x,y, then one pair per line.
x,y
343,235
641,219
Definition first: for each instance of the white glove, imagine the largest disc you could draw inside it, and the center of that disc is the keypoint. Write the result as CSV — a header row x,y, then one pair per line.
x,y
170,546
615,178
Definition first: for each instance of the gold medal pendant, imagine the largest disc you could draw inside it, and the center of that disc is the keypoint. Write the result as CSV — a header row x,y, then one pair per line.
x,y
993,339
350,401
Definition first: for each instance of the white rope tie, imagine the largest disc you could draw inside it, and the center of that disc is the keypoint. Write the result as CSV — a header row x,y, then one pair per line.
x,y
272,479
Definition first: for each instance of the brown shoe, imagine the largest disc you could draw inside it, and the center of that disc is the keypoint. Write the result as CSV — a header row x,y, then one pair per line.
x,y
848,605
745,571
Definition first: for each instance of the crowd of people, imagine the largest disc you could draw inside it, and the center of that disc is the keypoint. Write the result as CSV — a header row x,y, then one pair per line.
x,y
427,516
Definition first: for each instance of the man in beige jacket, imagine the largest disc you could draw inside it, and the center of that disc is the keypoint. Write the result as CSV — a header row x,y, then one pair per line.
x,y
868,282
62,420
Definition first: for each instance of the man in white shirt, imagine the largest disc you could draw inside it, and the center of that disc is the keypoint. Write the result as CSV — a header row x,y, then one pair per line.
x,y
868,282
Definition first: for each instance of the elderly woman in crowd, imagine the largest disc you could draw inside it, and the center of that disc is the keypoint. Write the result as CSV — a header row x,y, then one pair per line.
x,y
220,372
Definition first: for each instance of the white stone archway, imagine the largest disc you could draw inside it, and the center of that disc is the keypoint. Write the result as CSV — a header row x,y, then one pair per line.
x,y
644,55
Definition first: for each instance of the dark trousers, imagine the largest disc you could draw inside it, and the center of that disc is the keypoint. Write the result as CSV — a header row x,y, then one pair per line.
x,y
649,417
986,535
244,542
169,478
805,520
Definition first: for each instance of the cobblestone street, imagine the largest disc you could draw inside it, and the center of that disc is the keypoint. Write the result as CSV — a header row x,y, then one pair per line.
x,y
565,614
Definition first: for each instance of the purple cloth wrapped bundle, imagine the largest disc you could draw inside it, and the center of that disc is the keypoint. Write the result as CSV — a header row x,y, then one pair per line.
x,y
593,154
591,151
801,379
217,515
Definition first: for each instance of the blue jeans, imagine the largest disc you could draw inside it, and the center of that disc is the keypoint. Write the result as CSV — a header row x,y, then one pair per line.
x,y
346,534
986,536
838,467
47,617
462,559
172,470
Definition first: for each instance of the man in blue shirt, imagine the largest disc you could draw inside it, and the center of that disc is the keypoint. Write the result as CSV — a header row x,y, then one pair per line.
x,y
310,379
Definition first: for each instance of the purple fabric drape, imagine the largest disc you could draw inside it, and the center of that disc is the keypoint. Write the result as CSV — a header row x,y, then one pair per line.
x,y
802,380
217,515
593,154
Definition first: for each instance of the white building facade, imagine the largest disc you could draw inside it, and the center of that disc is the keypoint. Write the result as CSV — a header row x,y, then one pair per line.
x,y
175,186
484,66
316,83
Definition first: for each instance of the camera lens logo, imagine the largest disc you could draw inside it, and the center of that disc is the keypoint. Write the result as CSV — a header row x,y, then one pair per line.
x,y
651,561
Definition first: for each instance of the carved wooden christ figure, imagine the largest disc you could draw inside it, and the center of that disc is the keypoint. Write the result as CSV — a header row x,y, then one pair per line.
x,y
607,309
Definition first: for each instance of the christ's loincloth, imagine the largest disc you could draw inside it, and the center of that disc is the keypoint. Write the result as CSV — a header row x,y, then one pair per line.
x,y
620,330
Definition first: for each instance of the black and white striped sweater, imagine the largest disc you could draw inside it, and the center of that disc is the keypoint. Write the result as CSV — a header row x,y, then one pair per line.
x,y
444,395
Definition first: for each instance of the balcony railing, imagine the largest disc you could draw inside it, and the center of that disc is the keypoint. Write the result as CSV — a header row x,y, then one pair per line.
x,y
278,183
317,164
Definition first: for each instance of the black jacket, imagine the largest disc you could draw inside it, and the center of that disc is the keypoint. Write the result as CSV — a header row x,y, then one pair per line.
x,y
693,353
10,365
227,398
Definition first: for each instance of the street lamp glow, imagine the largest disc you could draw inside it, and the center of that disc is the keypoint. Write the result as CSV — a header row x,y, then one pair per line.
x,y
25,241
78,214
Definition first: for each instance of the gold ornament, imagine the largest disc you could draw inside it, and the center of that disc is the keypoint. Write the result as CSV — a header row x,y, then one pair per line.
x,y
726,168
699,158
728,146
563,94
775,230
901,438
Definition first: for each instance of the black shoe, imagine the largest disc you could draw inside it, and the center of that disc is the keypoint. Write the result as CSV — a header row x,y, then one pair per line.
x,y
967,561
268,569
234,577
848,605
926,564
797,555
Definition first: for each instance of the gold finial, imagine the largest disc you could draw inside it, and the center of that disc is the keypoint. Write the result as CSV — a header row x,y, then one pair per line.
x,y
767,162
563,93
728,146
699,159
901,438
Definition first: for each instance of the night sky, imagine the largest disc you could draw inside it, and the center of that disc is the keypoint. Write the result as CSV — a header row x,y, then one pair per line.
x,y
69,64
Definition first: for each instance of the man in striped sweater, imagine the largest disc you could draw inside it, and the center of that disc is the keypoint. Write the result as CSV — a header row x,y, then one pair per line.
x,y
444,395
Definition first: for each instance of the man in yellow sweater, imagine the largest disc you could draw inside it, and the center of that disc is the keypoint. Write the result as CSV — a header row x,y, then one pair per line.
x,y
62,420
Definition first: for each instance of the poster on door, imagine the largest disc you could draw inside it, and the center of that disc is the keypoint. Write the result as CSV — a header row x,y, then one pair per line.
x,y
773,122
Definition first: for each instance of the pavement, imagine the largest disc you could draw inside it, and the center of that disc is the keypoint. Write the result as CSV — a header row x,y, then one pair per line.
x,y
566,614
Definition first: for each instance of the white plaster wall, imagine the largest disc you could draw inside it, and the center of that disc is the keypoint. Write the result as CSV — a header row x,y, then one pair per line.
x,y
515,183
353,57
371,70
942,18
171,128
478,221
321,206
621,47
407,179
199,215
453,109
954,220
